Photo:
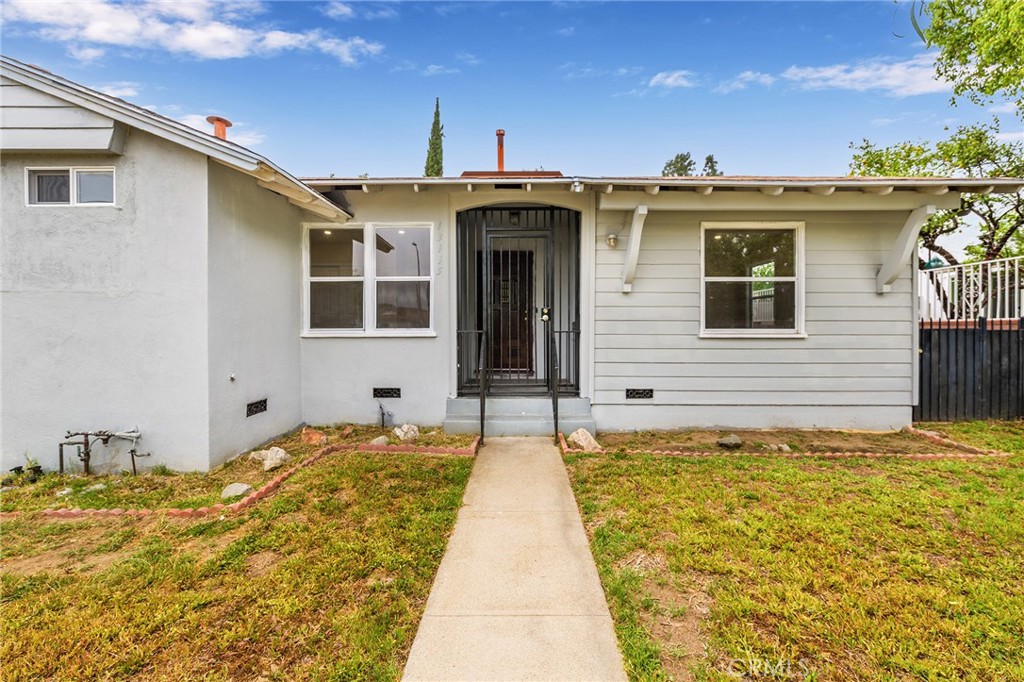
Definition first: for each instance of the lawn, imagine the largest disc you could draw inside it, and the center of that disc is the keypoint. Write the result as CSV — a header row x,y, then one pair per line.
x,y
858,569
327,579
162,488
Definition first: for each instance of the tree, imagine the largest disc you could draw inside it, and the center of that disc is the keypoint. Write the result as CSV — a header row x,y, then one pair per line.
x,y
679,165
683,165
972,151
434,167
981,46
711,166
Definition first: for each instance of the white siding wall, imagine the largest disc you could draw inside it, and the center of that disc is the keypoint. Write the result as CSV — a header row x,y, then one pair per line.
x,y
103,310
32,121
339,374
854,369
254,312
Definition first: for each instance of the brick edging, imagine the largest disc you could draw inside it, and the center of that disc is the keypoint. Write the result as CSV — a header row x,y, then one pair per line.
x,y
253,497
935,438
422,449
973,453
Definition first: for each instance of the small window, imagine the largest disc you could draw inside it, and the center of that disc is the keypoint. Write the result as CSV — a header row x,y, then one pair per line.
x,y
71,186
752,285
336,279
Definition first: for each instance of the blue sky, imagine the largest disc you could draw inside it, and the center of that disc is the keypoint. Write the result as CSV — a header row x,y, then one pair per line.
x,y
588,88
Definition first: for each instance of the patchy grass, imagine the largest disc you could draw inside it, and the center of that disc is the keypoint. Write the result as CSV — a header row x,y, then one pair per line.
x,y
798,440
163,488
826,570
1005,436
327,579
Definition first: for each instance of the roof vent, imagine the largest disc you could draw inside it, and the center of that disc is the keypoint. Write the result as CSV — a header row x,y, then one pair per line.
x,y
220,126
502,173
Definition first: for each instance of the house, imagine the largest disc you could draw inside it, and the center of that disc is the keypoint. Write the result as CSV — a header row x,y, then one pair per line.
x,y
160,278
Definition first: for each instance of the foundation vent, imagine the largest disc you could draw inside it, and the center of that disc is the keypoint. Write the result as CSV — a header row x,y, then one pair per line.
x,y
639,393
256,407
387,393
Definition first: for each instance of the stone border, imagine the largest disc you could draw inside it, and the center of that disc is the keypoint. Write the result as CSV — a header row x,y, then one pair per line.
x,y
469,451
936,438
971,454
253,497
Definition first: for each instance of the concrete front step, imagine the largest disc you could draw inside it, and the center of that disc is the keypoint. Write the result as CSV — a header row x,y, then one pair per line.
x,y
518,416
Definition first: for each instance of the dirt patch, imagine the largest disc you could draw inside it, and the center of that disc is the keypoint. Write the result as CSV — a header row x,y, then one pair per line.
x,y
675,624
643,563
261,563
61,561
797,440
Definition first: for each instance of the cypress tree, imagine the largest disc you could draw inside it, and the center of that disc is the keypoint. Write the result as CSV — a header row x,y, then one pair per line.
x,y
434,167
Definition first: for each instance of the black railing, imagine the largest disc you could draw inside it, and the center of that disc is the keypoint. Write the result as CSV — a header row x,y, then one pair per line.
x,y
556,377
481,368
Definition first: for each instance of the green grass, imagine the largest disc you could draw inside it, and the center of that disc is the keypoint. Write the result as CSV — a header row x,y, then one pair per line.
x,y
847,570
325,580
1006,436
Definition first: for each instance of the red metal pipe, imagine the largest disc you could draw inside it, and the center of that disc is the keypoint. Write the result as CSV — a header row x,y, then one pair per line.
x,y
220,126
501,149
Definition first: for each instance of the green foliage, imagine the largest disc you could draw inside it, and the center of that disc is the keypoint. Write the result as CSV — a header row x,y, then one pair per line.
x,y
434,168
972,151
981,45
683,165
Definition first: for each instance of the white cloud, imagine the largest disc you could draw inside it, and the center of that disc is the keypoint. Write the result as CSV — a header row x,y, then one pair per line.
x,y
120,89
384,12
205,29
468,58
85,55
1004,108
1015,136
339,10
572,71
438,70
566,32
897,79
672,79
744,79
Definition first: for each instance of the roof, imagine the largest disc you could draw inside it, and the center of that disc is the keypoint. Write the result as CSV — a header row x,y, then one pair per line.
x,y
268,174
770,185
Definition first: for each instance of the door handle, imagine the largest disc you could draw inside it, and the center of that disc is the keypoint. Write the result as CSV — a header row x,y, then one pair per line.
x,y
545,314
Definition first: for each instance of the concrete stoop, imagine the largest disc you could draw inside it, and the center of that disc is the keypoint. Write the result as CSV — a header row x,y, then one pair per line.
x,y
518,416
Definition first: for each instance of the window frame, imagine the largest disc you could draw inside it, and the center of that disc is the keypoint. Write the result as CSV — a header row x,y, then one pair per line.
x,y
369,279
73,172
799,278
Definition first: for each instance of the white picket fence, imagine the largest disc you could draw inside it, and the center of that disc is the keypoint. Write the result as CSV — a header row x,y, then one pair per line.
x,y
989,289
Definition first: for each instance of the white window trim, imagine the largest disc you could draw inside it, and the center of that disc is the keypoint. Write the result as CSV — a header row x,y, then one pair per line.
x,y
369,280
800,330
73,191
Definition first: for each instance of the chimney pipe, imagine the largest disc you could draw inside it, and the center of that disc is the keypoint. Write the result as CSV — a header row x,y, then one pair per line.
x,y
501,149
220,126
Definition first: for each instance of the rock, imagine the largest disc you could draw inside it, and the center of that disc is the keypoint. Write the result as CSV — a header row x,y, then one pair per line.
x,y
347,431
95,488
379,440
276,458
407,432
8,488
235,489
259,455
313,437
138,490
65,492
785,448
584,440
730,442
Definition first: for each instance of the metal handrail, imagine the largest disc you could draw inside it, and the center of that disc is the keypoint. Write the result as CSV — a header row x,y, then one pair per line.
x,y
482,374
556,373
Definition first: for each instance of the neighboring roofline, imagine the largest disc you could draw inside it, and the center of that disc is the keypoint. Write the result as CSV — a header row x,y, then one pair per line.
x,y
268,174
872,185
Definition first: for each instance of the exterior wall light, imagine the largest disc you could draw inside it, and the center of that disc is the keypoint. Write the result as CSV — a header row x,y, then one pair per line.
x,y
612,240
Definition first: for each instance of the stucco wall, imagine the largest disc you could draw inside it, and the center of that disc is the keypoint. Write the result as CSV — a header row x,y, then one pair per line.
x,y
339,374
254,312
854,369
104,310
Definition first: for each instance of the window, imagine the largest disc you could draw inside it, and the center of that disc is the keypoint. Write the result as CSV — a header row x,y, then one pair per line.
x,y
355,290
752,279
70,186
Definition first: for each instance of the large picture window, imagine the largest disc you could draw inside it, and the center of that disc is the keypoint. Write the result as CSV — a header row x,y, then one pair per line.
x,y
355,290
752,282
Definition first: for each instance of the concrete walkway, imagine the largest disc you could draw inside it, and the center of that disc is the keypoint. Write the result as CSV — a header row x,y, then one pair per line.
x,y
517,595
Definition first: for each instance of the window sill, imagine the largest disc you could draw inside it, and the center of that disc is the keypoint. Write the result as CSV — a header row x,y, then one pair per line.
x,y
382,334
751,334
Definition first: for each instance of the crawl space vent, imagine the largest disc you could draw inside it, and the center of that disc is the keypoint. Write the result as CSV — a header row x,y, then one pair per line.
x,y
639,393
256,407
387,393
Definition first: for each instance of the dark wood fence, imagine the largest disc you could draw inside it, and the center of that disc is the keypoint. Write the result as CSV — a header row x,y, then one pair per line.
x,y
971,369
